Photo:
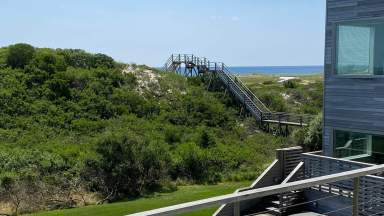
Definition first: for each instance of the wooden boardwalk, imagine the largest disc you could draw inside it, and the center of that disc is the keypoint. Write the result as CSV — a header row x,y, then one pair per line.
x,y
191,65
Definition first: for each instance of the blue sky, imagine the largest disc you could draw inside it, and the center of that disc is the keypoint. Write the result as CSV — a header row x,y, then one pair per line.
x,y
237,32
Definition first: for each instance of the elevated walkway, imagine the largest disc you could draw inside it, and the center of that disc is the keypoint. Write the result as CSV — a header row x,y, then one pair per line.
x,y
190,65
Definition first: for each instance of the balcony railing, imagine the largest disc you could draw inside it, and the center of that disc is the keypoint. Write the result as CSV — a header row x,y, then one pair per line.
x,y
369,201
371,194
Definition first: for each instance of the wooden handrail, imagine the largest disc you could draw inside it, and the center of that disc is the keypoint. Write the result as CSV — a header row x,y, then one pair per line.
x,y
250,99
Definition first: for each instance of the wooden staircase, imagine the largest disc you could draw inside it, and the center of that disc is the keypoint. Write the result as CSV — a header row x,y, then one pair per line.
x,y
191,65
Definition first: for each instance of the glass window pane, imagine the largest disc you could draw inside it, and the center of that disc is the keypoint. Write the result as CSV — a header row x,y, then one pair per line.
x,y
379,49
355,50
352,145
359,146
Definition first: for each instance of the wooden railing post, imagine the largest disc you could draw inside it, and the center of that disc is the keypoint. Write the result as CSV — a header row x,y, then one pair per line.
x,y
236,209
301,121
356,190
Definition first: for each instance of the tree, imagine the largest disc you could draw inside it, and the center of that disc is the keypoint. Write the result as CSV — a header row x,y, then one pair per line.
x,y
19,55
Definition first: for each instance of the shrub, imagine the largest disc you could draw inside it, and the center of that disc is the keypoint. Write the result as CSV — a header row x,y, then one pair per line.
x,y
293,83
3,57
310,138
47,60
80,59
129,165
268,82
103,61
314,136
195,163
76,58
298,136
207,139
274,101
19,55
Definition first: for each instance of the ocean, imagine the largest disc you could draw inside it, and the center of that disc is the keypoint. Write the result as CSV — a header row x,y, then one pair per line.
x,y
278,70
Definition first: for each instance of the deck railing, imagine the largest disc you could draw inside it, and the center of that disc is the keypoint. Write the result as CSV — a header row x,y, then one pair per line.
x,y
355,175
371,194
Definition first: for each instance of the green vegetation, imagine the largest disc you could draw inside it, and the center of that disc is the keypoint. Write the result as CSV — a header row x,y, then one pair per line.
x,y
303,94
156,200
79,129
311,137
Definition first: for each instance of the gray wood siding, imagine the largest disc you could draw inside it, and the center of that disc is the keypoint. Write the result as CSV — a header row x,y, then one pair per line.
x,y
350,103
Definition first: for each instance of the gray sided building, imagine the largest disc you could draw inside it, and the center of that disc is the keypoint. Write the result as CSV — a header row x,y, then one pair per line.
x,y
354,81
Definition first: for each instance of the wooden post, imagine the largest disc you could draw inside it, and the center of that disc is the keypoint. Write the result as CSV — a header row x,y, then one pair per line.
x,y
280,155
301,121
286,130
236,209
356,189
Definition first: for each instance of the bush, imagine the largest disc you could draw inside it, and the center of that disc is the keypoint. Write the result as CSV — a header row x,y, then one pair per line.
x,y
274,101
268,82
291,84
80,59
207,138
3,57
103,61
314,136
19,55
76,58
195,163
310,138
129,165
298,136
47,60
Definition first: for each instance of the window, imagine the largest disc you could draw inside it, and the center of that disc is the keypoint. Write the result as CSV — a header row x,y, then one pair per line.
x,y
359,146
360,49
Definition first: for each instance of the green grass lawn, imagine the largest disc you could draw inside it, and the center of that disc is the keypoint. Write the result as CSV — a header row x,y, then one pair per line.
x,y
157,200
